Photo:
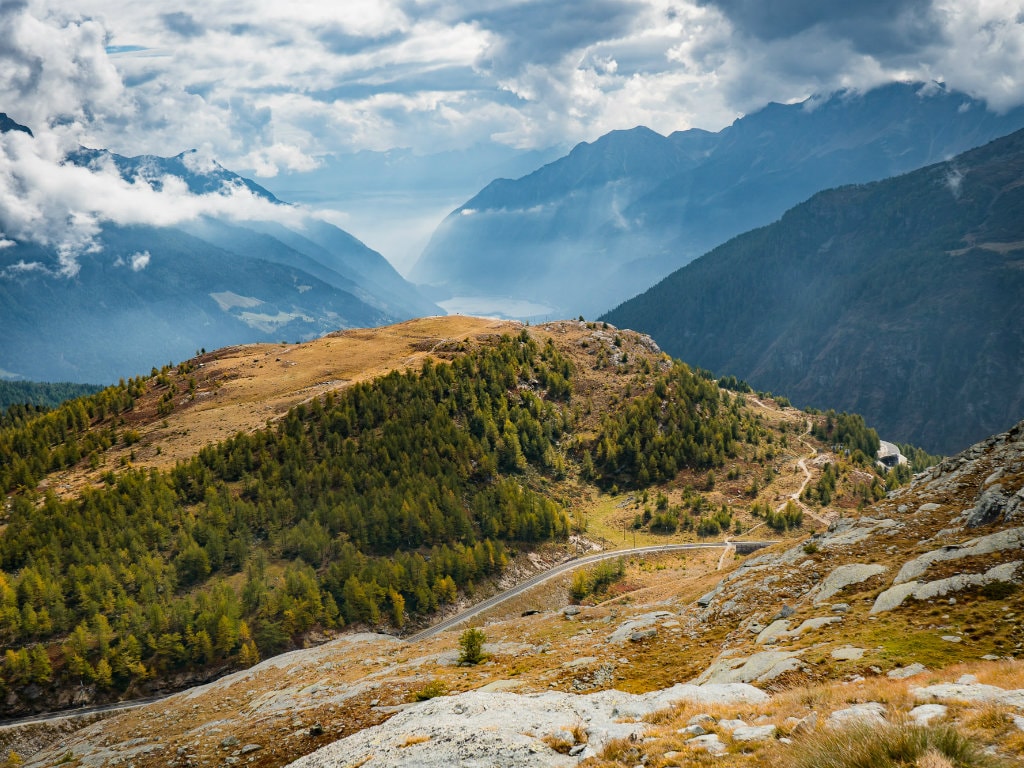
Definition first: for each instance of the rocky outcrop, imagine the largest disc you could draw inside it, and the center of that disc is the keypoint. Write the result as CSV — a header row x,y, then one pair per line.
x,y
639,627
779,630
845,576
896,595
760,667
512,730
1008,539
970,693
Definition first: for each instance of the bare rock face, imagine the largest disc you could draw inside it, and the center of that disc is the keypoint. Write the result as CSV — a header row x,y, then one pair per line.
x,y
1008,539
896,595
760,667
844,576
868,712
996,504
512,730
971,693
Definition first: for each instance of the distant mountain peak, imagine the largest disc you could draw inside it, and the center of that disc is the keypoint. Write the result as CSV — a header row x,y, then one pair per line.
x,y
631,206
7,125
200,171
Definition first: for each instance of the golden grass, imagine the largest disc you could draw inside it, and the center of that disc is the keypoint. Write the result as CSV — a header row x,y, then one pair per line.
x,y
243,388
409,741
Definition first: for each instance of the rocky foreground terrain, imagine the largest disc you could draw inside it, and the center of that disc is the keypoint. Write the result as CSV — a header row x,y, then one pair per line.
x,y
909,613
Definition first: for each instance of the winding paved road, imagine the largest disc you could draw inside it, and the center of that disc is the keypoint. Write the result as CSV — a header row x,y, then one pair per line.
x,y
558,570
441,626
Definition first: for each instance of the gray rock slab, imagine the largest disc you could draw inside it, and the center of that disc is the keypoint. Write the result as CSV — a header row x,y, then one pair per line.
x,y
925,713
893,597
929,590
971,693
708,743
772,631
754,733
646,704
992,504
778,630
901,673
760,667
870,711
846,532
625,631
1007,539
643,634
848,653
805,725
702,719
479,729
844,576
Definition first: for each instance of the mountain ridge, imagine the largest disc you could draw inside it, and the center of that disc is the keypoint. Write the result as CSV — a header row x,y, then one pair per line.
x,y
591,213
205,283
898,299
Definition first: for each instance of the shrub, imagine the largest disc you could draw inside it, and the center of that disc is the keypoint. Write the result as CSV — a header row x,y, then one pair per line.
x,y
431,690
998,590
873,746
471,645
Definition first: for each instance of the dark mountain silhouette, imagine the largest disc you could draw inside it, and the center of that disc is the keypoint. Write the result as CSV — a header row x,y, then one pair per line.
x,y
902,300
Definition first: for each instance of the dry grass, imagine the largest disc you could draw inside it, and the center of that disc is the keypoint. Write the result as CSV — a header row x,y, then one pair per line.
x,y
988,722
577,735
243,388
623,752
889,746
409,741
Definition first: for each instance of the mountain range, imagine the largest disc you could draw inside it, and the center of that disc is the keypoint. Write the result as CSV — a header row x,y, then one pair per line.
x,y
608,220
163,292
900,300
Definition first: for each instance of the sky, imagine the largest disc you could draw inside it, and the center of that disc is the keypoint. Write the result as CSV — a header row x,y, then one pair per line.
x,y
275,90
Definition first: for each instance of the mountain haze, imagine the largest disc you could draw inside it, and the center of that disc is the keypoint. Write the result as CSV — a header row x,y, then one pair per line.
x,y
161,292
608,220
901,300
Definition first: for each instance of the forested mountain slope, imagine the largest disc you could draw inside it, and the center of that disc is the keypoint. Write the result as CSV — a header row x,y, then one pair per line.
x,y
141,549
901,300
892,632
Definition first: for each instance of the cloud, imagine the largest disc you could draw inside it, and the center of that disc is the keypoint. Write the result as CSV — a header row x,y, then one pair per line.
x,y
539,32
137,262
271,89
63,207
55,68
267,162
869,26
181,23
810,46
